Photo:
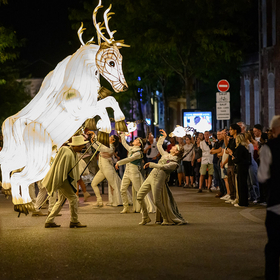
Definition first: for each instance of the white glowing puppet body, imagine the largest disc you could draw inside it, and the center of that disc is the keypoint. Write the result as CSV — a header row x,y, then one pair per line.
x,y
67,98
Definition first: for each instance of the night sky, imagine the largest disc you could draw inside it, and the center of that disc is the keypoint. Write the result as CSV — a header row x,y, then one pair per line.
x,y
46,27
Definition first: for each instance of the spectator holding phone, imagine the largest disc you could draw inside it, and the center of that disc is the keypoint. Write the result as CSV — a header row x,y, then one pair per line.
x,y
230,149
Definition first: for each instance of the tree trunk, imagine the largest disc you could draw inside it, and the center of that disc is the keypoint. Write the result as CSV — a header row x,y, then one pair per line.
x,y
164,101
163,81
141,131
151,127
187,93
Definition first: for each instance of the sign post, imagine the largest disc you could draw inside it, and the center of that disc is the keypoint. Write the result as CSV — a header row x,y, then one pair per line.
x,y
223,101
223,85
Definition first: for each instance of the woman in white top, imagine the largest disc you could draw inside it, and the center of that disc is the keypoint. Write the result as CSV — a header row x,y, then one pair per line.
x,y
133,175
188,161
180,169
224,167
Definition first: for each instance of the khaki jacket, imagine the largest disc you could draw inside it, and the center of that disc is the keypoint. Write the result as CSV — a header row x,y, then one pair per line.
x,y
62,170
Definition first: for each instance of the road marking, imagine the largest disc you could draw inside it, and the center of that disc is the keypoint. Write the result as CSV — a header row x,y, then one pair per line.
x,y
246,213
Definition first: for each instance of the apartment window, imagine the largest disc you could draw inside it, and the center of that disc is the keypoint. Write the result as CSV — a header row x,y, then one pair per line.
x,y
247,101
257,100
274,22
269,22
264,24
271,96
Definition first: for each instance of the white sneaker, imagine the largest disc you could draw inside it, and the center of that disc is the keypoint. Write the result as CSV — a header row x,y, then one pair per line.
x,y
237,205
229,201
236,201
213,188
263,204
225,197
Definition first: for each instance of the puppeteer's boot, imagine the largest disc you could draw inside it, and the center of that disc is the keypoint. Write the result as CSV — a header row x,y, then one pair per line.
x,y
145,221
166,223
99,203
76,225
51,225
86,196
38,213
125,210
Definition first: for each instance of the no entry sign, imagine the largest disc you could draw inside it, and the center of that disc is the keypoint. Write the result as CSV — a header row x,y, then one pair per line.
x,y
223,85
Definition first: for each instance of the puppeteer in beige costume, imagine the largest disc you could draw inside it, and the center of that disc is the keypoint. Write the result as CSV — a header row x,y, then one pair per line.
x,y
133,175
157,182
107,171
62,177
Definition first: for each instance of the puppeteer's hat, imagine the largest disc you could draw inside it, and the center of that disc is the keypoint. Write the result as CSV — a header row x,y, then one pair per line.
x,y
78,141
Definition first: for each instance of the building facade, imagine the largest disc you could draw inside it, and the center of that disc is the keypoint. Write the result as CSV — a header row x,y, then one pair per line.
x,y
260,74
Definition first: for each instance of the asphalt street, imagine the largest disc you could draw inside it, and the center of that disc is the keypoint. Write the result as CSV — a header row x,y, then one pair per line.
x,y
220,242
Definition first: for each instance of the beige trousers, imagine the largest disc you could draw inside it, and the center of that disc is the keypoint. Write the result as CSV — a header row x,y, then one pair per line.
x,y
65,191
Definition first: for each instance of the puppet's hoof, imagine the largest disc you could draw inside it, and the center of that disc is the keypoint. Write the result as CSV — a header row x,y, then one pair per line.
x,y
121,126
7,192
104,92
21,208
24,208
91,124
103,138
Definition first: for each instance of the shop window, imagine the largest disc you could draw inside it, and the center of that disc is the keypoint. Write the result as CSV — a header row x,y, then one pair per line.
x,y
247,101
271,96
257,100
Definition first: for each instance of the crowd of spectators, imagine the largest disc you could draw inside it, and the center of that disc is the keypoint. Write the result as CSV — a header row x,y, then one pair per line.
x,y
226,161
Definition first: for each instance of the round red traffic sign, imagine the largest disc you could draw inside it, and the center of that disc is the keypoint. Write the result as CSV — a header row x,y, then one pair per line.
x,y
223,85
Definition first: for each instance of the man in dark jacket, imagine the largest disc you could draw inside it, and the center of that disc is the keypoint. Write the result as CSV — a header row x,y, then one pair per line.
x,y
269,172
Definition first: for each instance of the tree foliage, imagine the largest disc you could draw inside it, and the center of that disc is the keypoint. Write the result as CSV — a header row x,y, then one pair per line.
x,y
8,45
13,95
192,39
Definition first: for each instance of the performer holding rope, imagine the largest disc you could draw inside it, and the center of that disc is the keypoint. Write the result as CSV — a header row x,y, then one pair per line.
x,y
63,176
107,171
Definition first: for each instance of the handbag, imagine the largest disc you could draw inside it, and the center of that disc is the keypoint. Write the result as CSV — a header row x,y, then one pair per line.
x,y
235,169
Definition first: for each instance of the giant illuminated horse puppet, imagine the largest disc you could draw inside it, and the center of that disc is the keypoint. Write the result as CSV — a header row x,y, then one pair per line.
x,y
69,95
